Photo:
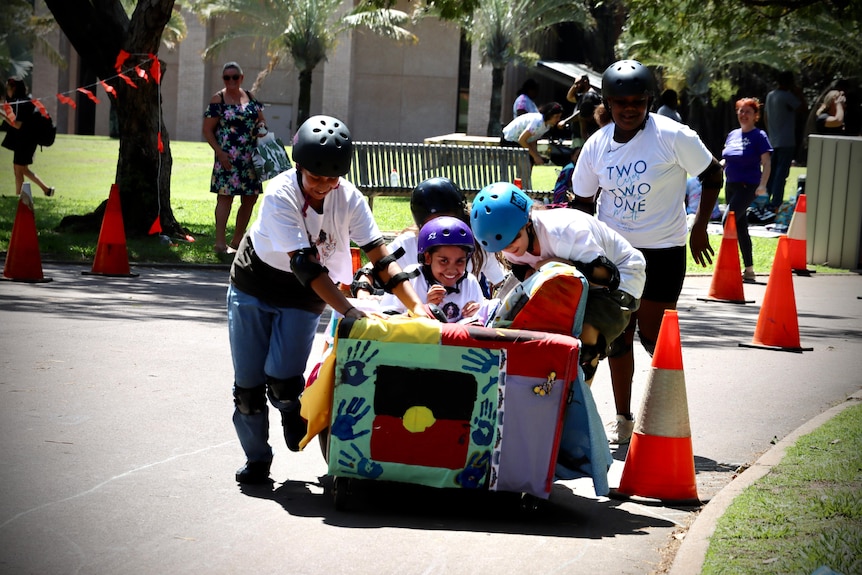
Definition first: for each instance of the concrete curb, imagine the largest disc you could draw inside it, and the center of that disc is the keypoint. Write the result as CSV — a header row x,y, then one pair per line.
x,y
690,557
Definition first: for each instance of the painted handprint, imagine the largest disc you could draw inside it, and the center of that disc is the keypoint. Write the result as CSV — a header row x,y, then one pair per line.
x,y
353,372
360,465
346,419
479,362
484,432
477,467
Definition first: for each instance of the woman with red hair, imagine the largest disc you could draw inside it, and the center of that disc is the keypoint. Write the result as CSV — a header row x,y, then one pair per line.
x,y
746,160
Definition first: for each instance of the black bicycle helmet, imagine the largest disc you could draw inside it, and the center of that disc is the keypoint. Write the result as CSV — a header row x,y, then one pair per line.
x,y
627,78
437,196
323,146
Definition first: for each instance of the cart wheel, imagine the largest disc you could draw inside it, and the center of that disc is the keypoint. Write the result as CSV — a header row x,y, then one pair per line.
x,y
529,503
323,438
340,492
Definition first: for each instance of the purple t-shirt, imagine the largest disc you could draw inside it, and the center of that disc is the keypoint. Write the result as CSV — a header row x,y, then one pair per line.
x,y
742,151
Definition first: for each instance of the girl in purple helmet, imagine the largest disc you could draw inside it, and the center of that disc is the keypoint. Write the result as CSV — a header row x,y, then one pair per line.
x,y
445,245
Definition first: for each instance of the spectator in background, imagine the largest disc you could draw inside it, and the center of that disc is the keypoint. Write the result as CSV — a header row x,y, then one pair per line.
x,y
669,104
585,99
783,105
830,114
525,131
19,135
230,127
746,160
525,103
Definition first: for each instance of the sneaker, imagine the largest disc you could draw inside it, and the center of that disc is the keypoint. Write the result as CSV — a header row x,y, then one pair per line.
x,y
749,277
620,430
254,472
49,192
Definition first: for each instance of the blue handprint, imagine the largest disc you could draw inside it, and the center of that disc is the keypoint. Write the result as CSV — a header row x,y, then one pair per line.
x,y
342,427
477,467
492,381
363,466
478,362
484,432
353,371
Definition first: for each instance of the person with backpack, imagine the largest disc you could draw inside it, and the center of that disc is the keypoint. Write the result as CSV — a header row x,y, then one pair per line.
x,y
21,135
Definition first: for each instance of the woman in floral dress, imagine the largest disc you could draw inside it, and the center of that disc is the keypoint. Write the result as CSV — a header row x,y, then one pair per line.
x,y
231,123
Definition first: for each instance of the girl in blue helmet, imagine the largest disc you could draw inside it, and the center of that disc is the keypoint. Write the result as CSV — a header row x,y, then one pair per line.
x,y
503,220
445,245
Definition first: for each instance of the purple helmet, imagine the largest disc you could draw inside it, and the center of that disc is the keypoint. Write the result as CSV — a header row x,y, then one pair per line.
x,y
445,231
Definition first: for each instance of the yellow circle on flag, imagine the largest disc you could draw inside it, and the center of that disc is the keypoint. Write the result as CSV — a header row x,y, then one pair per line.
x,y
418,418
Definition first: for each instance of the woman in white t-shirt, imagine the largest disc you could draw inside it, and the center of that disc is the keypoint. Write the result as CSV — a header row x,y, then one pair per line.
x,y
525,130
641,162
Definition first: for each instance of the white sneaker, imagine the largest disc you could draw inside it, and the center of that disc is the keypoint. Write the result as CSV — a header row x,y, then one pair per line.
x,y
620,430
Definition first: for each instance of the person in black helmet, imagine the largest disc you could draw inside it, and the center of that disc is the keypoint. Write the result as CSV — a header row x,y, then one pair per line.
x,y
641,162
286,271
435,197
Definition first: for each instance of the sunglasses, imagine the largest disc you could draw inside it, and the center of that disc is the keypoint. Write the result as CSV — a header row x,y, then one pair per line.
x,y
234,77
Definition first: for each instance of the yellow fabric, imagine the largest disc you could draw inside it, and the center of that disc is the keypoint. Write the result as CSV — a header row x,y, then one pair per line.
x,y
316,404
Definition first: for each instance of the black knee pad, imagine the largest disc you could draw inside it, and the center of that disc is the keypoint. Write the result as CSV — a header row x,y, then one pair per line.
x,y
250,401
284,393
623,344
649,345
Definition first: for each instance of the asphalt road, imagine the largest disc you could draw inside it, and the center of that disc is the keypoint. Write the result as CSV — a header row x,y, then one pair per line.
x,y
118,452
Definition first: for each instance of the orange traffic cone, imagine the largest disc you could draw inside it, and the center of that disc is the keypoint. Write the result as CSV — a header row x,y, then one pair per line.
x,y
660,462
726,283
777,324
23,262
796,235
112,258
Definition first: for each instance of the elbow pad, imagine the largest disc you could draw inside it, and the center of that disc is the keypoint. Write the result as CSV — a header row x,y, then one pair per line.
x,y
305,266
613,272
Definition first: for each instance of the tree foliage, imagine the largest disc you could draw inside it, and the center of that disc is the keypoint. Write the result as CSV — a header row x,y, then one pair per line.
x,y
22,32
302,32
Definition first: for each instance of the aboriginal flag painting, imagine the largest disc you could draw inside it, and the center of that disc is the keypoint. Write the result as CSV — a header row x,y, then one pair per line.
x,y
414,412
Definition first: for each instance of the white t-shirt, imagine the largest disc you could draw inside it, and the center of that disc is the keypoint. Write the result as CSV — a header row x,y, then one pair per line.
x,y
280,227
643,180
534,122
452,304
579,237
491,268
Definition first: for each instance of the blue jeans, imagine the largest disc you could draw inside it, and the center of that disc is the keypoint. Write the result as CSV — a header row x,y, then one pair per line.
x,y
782,158
265,341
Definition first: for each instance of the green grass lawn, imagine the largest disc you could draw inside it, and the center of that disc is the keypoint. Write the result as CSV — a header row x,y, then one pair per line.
x,y
806,512
82,169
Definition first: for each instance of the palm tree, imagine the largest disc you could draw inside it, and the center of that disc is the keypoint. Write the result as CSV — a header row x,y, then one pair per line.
x,y
303,31
21,30
501,29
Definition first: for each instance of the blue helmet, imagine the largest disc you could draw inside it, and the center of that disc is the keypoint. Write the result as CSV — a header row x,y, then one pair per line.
x,y
444,231
498,213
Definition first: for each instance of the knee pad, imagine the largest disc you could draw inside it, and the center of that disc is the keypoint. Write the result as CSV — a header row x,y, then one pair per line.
x,y
623,344
284,393
250,401
649,345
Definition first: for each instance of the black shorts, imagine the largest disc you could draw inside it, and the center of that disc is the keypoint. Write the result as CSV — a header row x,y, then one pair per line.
x,y
23,154
665,272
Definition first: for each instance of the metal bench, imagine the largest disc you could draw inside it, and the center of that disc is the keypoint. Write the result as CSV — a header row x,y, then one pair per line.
x,y
470,167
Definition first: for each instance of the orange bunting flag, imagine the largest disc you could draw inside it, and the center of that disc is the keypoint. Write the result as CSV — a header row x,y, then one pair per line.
x,y
41,107
161,145
108,88
89,94
121,58
127,80
7,109
141,72
66,100
156,228
156,69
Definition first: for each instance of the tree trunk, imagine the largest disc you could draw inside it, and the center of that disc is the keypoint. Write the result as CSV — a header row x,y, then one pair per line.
x,y
98,31
495,127
303,104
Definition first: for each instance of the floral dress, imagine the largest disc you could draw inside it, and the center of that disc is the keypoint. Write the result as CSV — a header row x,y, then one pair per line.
x,y
235,135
